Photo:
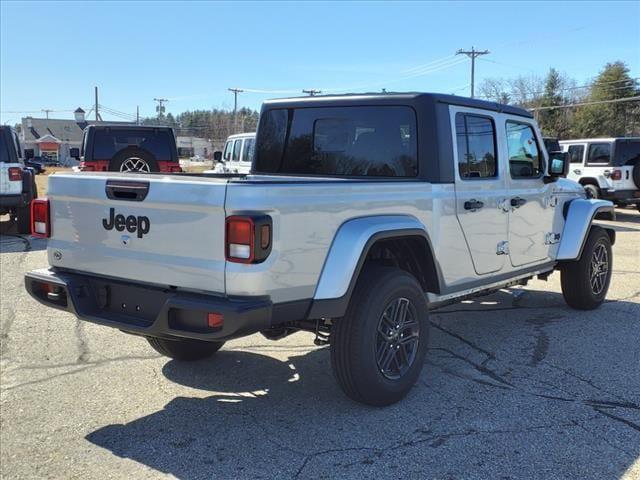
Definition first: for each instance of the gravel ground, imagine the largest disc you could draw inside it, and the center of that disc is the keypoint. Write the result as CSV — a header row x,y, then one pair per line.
x,y
516,385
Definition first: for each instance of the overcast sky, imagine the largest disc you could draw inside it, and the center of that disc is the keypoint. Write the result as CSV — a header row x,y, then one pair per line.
x,y
53,53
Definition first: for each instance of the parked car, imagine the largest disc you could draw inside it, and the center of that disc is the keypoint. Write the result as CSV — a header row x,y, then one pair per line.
x,y
362,213
37,167
128,148
237,154
17,181
607,168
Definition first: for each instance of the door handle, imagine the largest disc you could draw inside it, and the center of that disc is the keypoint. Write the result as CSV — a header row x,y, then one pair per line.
x,y
577,171
517,202
473,205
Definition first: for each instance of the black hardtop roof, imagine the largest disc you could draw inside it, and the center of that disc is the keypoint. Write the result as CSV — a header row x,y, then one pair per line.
x,y
394,98
131,126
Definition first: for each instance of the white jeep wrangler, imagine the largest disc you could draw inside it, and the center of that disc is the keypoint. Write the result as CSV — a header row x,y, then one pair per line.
x,y
607,168
360,214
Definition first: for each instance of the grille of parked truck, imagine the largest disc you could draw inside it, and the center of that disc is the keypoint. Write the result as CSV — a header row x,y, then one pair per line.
x,y
360,214
128,148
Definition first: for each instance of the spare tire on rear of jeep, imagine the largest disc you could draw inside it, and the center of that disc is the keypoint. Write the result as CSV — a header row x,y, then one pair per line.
x,y
636,173
134,159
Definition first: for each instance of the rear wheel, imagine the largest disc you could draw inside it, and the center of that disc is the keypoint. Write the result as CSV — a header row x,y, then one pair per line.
x,y
592,191
585,282
378,347
184,349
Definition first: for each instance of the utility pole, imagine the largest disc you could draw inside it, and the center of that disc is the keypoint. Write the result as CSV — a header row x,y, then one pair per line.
x,y
235,91
98,117
137,114
312,92
46,111
160,107
472,54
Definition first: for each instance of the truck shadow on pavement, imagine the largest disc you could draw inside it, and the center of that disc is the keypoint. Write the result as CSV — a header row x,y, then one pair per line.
x,y
12,242
513,386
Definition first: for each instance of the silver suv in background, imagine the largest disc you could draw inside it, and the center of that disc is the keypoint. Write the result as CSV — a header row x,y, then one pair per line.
x,y
607,168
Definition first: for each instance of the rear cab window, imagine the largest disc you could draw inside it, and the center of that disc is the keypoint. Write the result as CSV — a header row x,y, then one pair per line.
x,y
108,142
525,159
237,148
599,153
226,156
351,141
626,152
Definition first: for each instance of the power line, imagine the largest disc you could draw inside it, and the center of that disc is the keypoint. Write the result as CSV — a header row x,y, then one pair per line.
x,y
472,54
617,100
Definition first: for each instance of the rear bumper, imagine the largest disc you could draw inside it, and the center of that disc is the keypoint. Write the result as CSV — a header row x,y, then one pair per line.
x,y
147,310
11,201
624,196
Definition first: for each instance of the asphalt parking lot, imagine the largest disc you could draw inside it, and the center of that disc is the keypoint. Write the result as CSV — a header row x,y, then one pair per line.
x,y
516,385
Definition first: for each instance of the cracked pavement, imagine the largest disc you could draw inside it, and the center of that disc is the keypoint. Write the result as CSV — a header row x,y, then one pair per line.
x,y
515,385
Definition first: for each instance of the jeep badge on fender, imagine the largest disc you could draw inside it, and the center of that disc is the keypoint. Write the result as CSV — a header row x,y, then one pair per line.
x,y
131,223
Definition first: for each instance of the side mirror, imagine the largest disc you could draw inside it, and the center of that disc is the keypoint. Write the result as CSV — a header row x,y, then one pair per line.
x,y
217,156
558,164
74,153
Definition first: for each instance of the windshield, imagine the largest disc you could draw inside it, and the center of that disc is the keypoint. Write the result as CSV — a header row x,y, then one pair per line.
x,y
341,141
627,152
106,143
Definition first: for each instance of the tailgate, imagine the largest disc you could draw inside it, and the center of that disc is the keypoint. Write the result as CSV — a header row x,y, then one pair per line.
x,y
163,230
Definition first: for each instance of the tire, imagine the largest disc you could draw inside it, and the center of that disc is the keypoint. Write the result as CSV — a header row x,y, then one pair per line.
x,y
636,173
576,277
183,349
23,220
128,158
356,340
592,191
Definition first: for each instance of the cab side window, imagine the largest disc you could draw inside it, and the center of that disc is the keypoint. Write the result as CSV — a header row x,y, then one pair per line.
x,y
237,147
476,140
525,160
247,153
226,156
576,153
599,153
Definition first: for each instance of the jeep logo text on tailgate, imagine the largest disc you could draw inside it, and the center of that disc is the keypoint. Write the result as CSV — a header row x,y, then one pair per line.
x,y
131,223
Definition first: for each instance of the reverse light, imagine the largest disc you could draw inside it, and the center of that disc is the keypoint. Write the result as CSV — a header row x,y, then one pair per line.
x,y
15,174
40,218
616,175
248,238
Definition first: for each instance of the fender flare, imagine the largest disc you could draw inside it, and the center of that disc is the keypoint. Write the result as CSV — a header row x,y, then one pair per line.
x,y
579,215
348,253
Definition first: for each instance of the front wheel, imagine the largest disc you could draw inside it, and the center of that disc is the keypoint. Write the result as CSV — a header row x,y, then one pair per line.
x,y
378,347
184,349
585,282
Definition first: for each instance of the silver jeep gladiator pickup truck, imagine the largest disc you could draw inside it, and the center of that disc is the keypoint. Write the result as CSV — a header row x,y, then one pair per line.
x,y
361,213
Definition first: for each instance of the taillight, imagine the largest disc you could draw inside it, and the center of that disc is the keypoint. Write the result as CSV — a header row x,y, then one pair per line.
x,y
15,174
175,169
248,238
616,175
40,219
86,168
